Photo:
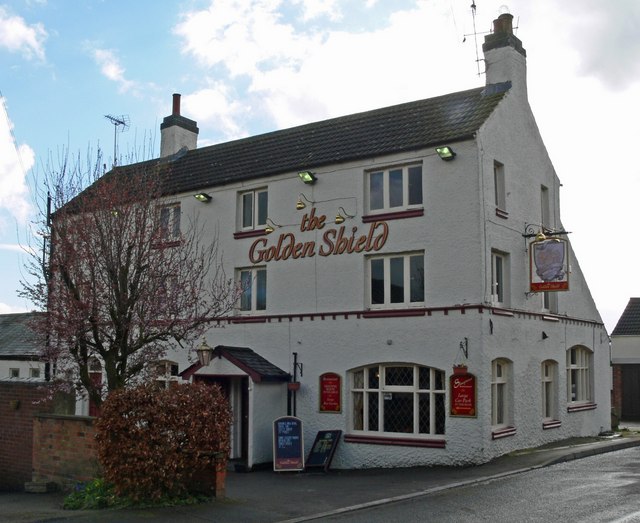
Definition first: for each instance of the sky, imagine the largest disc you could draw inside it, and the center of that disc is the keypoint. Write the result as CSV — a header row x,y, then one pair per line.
x,y
253,66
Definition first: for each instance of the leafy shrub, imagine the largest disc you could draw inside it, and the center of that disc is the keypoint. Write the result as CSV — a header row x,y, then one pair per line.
x,y
152,442
94,494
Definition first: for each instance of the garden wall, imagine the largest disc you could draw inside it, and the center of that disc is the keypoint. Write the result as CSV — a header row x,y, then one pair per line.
x,y
64,449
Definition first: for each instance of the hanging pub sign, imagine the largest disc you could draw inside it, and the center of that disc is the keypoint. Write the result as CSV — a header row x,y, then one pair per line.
x,y
549,265
288,444
462,393
330,392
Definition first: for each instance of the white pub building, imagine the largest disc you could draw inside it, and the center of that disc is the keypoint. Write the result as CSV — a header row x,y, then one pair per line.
x,y
409,281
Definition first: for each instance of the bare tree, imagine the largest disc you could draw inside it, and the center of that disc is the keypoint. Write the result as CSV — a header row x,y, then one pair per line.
x,y
124,273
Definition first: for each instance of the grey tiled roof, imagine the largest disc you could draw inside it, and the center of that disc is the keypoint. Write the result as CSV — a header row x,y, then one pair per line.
x,y
17,340
405,127
252,363
629,322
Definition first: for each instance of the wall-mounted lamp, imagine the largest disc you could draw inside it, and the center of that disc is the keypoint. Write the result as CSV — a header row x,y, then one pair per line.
x,y
271,226
300,204
204,353
544,335
342,216
445,153
464,347
202,197
307,177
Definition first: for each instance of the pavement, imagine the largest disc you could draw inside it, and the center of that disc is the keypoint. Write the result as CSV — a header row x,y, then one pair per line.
x,y
291,497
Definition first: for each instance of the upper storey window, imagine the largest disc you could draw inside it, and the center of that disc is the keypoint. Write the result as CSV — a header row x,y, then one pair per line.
x,y
254,206
169,222
395,189
500,194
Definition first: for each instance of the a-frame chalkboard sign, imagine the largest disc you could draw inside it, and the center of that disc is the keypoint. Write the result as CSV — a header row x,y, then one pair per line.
x,y
324,447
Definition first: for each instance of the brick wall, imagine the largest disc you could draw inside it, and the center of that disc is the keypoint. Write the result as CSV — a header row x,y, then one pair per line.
x,y
616,392
64,449
18,405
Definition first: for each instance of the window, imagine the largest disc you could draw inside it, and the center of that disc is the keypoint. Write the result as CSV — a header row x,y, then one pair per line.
x,y
14,373
499,189
395,189
169,218
499,278
397,399
550,301
34,372
500,393
549,390
579,375
253,283
254,205
545,215
396,280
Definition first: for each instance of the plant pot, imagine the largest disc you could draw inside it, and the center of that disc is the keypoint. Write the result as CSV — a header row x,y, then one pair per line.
x,y
460,369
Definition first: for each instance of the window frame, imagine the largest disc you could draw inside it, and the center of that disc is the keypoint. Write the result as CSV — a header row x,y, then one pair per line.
x,y
14,372
499,189
362,410
501,394
500,280
545,207
258,218
257,297
549,390
408,289
386,205
169,230
580,366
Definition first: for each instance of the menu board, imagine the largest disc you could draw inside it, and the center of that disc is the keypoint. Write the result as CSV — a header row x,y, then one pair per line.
x,y
324,447
330,392
288,444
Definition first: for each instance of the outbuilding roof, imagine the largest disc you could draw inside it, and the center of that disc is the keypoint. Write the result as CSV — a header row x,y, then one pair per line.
x,y
17,340
406,127
629,322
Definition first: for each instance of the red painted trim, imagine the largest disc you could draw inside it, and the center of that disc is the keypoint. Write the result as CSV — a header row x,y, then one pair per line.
x,y
190,371
552,424
393,313
399,215
164,245
581,407
502,214
503,433
248,234
402,442
382,313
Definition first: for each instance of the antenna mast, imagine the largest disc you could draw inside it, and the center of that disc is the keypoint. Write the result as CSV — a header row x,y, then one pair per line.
x,y
117,121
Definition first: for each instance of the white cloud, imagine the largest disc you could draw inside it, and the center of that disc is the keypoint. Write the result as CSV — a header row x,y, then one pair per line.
x,y
15,162
213,105
10,309
318,8
110,67
18,36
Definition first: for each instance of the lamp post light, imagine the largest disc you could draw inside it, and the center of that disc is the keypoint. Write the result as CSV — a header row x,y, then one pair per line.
x,y
204,353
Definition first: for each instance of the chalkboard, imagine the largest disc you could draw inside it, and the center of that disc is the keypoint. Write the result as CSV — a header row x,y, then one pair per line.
x,y
323,449
288,444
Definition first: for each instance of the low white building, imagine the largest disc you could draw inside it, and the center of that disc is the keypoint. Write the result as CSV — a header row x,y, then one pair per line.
x,y
393,266
20,351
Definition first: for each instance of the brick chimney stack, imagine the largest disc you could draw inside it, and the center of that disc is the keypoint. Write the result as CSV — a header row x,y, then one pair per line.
x,y
177,132
505,58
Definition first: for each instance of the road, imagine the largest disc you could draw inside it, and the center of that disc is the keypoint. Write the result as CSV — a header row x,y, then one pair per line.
x,y
603,488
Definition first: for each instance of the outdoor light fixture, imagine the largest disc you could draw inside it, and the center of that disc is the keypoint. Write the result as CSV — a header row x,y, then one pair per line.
x,y
202,197
300,204
446,153
204,353
342,216
271,226
307,177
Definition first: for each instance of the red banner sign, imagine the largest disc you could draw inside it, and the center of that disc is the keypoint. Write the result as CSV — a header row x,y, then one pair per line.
x,y
330,392
462,391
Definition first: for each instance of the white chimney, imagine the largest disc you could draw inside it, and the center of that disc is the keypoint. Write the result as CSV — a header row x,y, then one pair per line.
x,y
505,58
177,132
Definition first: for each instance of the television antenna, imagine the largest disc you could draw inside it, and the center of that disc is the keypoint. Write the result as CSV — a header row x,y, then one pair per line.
x,y
120,123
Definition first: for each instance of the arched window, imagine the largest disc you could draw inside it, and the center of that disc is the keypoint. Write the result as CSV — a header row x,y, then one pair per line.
x,y
579,361
549,380
398,399
501,399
